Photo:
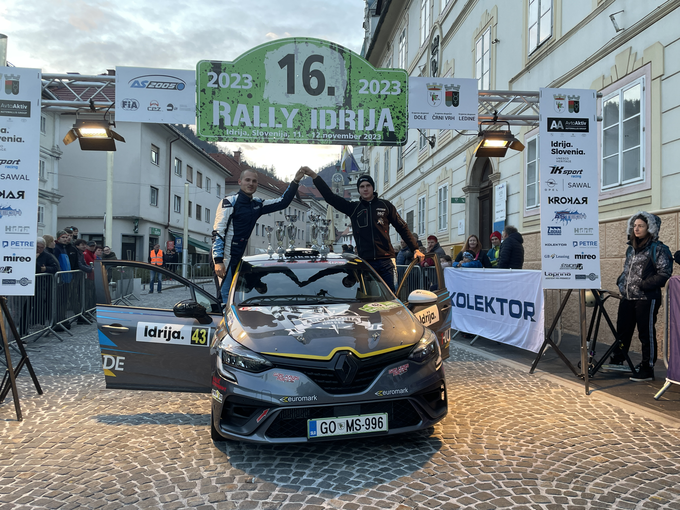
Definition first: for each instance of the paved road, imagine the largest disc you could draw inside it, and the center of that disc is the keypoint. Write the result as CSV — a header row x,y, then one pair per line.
x,y
511,440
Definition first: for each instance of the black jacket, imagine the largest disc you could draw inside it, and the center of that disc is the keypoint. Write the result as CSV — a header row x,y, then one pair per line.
x,y
370,223
49,261
512,252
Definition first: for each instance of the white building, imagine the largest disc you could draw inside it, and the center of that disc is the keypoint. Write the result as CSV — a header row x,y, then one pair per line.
x,y
48,173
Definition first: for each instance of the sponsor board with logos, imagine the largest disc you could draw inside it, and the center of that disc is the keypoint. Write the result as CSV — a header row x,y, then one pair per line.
x,y
569,173
19,150
161,96
176,334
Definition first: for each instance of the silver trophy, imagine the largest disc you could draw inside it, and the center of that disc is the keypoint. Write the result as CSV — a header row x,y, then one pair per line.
x,y
314,220
280,238
269,231
324,229
292,230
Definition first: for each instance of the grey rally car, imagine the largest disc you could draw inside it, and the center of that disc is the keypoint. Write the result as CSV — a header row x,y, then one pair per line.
x,y
307,350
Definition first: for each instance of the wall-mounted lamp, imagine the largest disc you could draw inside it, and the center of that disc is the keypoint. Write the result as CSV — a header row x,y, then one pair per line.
x,y
612,17
430,139
494,144
93,135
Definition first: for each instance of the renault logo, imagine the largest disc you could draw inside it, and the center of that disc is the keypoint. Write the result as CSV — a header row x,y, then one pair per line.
x,y
346,368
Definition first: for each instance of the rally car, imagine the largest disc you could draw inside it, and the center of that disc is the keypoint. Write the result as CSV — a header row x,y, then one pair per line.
x,y
306,349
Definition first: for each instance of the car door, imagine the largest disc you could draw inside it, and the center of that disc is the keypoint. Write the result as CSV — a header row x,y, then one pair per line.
x,y
144,346
435,316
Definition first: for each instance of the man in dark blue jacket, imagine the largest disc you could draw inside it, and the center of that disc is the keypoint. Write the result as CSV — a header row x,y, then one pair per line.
x,y
512,251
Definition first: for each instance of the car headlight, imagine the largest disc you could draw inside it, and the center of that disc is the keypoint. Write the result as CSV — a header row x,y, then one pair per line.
x,y
426,349
237,356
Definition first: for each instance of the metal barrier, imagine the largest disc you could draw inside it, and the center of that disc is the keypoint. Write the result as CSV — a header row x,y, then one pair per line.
x,y
34,315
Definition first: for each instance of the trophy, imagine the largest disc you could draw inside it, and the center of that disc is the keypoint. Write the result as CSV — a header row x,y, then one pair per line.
x,y
280,238
314,220
269,231
292,230
323,234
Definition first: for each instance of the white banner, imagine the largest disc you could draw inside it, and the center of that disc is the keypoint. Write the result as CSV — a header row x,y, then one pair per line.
x,y
442,103
161,96
499,304
19,160
570,233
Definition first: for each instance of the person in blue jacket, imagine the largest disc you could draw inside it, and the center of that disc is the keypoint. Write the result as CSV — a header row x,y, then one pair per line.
x,y
468,260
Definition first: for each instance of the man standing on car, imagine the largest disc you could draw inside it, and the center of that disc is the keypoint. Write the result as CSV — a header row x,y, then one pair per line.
x,y
235,219
371,218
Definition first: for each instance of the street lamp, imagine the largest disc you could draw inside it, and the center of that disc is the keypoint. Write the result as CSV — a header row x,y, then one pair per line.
x,y
494,144
93,135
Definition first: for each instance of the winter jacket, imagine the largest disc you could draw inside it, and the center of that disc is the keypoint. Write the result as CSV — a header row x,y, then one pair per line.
x,y
82,265
643,277
404,257
235,219
493,255
437,250
61,254
370,223
49,261
481,257
512,252
472,263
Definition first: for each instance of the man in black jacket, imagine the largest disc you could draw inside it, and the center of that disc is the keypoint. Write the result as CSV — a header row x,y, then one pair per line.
x,y
371,218
512,251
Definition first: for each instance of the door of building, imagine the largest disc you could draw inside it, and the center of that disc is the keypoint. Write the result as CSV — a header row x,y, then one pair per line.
x,y
129,248
486,206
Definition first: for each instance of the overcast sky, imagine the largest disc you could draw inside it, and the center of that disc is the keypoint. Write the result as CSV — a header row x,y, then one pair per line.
x,y
89,37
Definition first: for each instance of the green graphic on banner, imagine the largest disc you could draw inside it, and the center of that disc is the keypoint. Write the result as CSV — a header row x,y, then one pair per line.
x,y
301,90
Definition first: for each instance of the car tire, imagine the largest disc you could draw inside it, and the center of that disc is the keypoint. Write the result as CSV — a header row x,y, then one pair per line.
x,y
213,432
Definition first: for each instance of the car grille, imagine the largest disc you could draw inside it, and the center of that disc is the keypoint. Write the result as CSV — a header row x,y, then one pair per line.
x,y
326,375
293,422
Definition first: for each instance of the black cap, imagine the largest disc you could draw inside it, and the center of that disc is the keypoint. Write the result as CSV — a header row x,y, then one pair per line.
x,y
365,178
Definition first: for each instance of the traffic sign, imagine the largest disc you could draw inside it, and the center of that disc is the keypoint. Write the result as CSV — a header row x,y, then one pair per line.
x,y
301,90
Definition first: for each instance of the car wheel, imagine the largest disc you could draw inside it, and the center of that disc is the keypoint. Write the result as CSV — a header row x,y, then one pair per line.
x,y
213,431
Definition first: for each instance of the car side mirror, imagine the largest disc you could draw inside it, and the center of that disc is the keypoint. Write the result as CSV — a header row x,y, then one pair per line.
x,y
190,309
422,297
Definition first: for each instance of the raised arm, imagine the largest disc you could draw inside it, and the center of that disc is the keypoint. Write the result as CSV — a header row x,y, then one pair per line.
x,y
278,204
339,203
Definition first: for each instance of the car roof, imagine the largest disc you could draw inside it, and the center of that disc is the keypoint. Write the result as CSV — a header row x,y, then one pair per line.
x,y
301,255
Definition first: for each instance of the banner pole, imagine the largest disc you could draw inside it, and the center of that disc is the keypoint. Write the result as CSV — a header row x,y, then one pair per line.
x,y
584,339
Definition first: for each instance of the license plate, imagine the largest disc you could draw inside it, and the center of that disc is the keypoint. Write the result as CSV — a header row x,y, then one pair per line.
x,y
325,427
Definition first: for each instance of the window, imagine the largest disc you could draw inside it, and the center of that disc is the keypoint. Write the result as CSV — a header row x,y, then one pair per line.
x,y
207,184
386,166
153,198
483,59
199,180
198,212
41,214
190,208
178,167
532,174
42,174
622,136
257,229
155,155
421,216
376,171
443,207
540,22
43,124
409,220
206,215
425,14
178,204
219,190
423,139
402,49
190,173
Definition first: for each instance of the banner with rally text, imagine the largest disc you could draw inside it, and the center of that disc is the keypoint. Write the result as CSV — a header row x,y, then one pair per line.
x,y
499,304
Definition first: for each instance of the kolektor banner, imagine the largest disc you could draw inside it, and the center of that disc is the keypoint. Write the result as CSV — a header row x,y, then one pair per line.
x,y
501,304
19,159
570,234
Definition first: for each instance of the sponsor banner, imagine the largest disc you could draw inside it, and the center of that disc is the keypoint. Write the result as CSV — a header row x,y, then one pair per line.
x,y
301,90
442,103
176,334
428,316
503,305
19,157
570,233
161,96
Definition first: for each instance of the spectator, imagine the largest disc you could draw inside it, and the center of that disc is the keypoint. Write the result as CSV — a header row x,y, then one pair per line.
x,y
350,248
512,252
474,247
156,259
61,254
85,267
468,260
107,254
45,262
647,268
98,252
171,259
49,243
433,247
71,250
404,255
495,249
447,262
88,254
74,233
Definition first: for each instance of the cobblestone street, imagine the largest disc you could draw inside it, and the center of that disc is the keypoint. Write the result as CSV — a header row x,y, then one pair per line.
x,y
510,440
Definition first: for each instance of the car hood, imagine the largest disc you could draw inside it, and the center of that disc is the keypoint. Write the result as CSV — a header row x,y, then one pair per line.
x,y
318,331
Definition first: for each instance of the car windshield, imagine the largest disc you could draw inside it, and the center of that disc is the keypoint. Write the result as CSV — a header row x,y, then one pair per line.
x,y
307,283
